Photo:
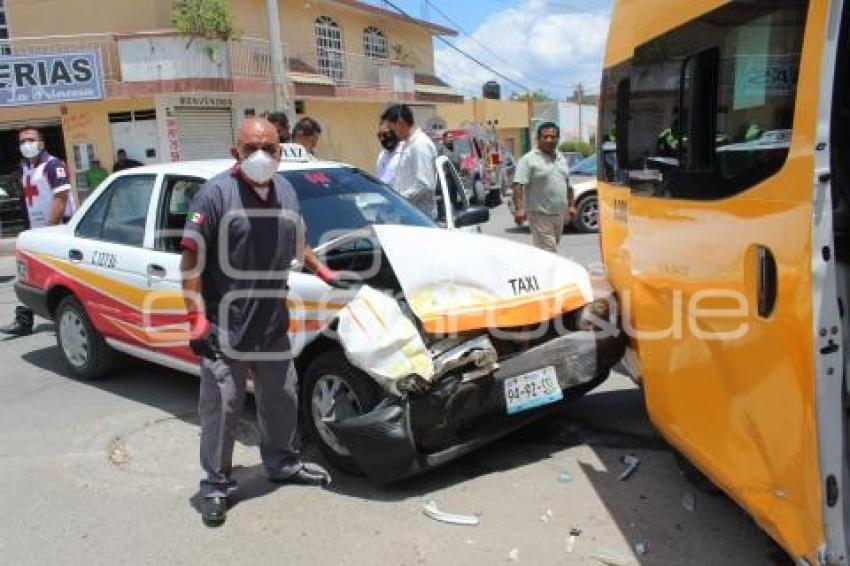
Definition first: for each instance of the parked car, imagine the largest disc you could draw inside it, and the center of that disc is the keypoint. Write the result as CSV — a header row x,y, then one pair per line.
x,y
502,331
12,213
572,157
583,170
586,218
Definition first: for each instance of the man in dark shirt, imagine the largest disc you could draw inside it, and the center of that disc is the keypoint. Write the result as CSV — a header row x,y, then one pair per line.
x,y
243,230
124,162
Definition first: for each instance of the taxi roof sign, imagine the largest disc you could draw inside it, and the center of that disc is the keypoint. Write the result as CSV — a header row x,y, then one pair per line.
x,y
294,153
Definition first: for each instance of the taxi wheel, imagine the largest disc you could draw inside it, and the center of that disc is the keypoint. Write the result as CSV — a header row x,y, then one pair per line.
x,y
83,348
333,389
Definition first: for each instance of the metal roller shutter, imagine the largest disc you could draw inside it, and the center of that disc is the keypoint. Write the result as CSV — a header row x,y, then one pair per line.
x,y
204,133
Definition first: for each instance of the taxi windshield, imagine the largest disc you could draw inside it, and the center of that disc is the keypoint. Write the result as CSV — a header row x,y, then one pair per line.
x,y
338,200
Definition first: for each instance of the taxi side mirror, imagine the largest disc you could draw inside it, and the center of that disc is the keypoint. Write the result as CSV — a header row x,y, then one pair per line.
x,y
472,216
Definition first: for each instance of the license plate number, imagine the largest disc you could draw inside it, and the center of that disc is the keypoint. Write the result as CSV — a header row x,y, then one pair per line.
x,y
534,389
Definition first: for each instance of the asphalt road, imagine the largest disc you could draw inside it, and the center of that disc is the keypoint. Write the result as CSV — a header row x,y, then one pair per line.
x,y
106,472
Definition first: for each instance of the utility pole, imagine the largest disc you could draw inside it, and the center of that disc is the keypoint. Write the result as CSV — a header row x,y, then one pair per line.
x,y
281,96
579,95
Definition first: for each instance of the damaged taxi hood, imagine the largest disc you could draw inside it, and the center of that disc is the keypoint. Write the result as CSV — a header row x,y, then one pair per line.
x,y
459,281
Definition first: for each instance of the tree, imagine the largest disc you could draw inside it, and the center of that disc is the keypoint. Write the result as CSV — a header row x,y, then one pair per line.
x,y
537,95
210,19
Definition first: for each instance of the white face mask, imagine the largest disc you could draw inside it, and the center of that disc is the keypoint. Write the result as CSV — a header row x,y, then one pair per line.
x,y
259,167
30,149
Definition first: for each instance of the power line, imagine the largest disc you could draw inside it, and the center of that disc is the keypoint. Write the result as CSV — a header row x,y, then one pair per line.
x,y
498,57
459,50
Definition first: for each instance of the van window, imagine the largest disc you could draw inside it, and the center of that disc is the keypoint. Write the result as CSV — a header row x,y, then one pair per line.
x,y
709,106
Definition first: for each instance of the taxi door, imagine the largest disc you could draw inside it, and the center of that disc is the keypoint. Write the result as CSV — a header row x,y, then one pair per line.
x,y
709,238
165,329
107,256
452,202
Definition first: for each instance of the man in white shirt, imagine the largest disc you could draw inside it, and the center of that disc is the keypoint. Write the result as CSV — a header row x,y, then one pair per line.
x,y
48,198
416,177
387,165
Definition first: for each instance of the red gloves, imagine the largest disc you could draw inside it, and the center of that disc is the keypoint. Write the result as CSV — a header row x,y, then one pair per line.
x,y
199,326
327,275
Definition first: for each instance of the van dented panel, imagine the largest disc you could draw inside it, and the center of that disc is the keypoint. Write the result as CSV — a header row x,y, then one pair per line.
x,y
743,409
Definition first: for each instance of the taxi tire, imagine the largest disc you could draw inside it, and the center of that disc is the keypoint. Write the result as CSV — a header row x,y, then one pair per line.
x,y
333,362
100,356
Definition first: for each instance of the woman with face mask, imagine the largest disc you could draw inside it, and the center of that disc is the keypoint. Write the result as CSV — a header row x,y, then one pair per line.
x,y
387,165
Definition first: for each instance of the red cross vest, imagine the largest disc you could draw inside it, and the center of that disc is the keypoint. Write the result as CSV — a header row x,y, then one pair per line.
x,y
40,183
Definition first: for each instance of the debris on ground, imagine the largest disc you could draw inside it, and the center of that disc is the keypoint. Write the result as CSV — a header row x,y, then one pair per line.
x,y
611,559
547,516
640,548
565,477
689,504
434,512
571,541
513,555
631,462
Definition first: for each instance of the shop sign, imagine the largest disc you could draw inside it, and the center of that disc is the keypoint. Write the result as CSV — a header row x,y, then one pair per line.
x,y
50,78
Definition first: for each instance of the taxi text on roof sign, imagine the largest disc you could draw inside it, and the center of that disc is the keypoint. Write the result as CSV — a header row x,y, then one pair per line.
x,y
42,79
294,153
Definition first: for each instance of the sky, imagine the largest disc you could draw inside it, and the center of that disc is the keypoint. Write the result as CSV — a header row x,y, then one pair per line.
x,y
537,44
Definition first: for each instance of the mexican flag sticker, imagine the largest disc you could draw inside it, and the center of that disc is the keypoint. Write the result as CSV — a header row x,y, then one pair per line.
x,y
197,218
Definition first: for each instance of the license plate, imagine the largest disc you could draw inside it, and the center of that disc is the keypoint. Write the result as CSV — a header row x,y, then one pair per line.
x,y
535,389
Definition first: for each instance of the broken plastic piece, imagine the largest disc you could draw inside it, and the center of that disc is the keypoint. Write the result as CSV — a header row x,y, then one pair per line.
x,y
640,548
611,559
689,504
565,477
513,555
571,541
434,512
631,462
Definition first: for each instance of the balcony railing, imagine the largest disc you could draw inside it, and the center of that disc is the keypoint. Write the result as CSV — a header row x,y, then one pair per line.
x,y
160,56
359,71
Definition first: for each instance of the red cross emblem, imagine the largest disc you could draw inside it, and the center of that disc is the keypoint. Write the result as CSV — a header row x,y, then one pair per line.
x,y
30,191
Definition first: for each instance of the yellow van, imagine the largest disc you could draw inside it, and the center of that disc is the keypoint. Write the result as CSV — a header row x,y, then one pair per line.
x,y
724,182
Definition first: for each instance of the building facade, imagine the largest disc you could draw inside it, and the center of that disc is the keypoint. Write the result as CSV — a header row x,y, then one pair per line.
x,y
162,96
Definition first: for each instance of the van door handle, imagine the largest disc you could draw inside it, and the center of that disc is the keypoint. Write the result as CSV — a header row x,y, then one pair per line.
x,y
75,255
155,270
767,282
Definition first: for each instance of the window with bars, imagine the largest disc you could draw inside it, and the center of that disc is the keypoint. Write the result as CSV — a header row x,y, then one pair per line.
x,y
329,48
374,43
5,48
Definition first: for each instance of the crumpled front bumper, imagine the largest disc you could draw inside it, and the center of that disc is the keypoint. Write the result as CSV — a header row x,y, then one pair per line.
x,y
404,436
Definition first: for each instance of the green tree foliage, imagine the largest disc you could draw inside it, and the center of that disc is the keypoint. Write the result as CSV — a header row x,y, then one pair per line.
x,y
210,19
583,148
537,95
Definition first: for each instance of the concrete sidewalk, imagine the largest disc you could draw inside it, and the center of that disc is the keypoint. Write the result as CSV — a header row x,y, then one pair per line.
x,y
7,246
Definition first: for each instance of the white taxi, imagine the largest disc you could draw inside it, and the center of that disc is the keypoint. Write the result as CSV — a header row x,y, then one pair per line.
x,y
502,331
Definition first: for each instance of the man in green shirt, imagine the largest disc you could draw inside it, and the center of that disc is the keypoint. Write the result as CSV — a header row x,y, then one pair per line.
x,y
541,189
96,174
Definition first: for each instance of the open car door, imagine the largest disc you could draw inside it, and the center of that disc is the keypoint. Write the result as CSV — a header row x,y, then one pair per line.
x,y
453,209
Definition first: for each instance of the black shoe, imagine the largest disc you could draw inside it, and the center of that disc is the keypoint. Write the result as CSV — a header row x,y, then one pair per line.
x,y
304,476
17,328
214,511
